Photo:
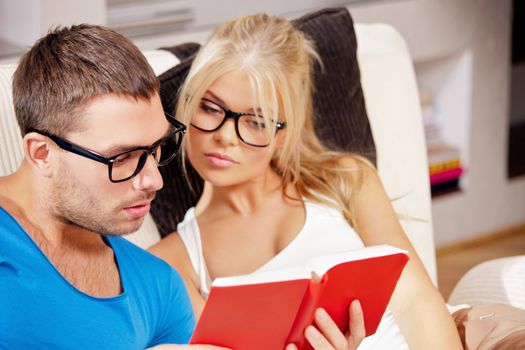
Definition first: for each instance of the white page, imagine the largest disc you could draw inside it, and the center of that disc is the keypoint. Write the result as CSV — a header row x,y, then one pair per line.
x,y
319,265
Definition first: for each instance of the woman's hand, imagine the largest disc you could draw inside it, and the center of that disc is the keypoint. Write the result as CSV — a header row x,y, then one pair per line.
x,y
329,337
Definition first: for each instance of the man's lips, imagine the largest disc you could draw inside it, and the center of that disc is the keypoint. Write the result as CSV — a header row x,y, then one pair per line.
x,y
220,160
139,210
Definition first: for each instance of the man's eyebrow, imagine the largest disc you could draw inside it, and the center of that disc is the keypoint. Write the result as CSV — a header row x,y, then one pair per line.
x,y
113,149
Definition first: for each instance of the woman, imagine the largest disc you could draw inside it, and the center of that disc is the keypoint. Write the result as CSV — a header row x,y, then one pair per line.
x,y
275,194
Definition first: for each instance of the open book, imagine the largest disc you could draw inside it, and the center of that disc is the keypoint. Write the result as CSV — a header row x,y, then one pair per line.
x,y
268,310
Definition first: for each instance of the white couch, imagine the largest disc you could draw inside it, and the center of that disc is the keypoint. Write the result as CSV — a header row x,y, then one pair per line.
x,y
393,107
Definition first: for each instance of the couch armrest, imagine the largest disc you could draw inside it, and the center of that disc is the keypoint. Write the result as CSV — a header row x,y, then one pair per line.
x,y
10,141
392,102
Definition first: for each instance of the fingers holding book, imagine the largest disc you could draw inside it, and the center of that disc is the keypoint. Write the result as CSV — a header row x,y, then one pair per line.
x,y
327,336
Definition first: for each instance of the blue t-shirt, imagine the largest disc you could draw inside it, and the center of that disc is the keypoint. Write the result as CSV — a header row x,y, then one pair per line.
x,y
40,309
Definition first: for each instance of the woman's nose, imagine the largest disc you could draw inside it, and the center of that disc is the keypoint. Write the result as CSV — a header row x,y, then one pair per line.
x,y
227,134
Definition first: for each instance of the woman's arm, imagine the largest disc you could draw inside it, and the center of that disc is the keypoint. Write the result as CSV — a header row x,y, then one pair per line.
x,y
417,305
172,250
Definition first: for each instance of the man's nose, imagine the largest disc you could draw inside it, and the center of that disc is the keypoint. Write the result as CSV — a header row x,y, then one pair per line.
x,y
149,178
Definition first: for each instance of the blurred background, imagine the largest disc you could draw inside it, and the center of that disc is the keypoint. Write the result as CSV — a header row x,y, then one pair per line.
x,y
469,59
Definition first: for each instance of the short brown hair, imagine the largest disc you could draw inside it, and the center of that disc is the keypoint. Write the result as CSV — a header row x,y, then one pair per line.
x,y
70,66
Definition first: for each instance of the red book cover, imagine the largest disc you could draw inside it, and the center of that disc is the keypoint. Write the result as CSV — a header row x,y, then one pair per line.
x,y
271,309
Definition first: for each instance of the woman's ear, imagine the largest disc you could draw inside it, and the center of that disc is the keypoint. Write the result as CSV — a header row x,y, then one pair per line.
x,y
37,153
280,138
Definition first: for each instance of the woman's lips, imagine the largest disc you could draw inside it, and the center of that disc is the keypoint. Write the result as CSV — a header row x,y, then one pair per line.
x,y
220,160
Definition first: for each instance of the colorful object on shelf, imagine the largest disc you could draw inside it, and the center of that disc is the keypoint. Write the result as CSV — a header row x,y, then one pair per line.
x,y
444,161
444,167
445,176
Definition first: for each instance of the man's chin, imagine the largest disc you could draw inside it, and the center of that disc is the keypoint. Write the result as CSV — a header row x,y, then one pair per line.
x,y
126,229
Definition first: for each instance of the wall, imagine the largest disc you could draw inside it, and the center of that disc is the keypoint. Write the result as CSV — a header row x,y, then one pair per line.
x,y
435,29
24,21
12,28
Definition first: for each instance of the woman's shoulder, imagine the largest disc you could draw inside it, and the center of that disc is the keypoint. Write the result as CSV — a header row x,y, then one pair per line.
x,y
180,246
189,218
352,161
363,172
168,248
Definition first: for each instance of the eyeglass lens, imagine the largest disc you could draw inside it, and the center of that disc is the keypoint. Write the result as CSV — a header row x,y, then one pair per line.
x,y
130,163
251,129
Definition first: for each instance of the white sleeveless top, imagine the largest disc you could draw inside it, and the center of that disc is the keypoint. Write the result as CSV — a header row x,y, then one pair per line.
x,y
325,231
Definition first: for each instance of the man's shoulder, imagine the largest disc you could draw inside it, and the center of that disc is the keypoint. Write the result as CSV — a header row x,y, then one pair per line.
x,y
6,217
9,228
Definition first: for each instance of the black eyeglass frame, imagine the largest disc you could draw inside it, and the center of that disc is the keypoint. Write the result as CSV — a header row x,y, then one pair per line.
x,y
229,114
84,152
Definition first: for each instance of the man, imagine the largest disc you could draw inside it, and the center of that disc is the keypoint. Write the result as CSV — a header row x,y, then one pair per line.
x,y
94,133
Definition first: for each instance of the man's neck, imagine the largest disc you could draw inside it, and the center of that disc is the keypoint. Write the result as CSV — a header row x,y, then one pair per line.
x,y
81,256
18,195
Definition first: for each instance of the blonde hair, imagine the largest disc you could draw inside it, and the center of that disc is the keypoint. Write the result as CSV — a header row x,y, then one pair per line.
x,y
279,61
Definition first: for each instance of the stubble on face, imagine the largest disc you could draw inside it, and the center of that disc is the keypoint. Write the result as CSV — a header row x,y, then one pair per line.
x,y
77,204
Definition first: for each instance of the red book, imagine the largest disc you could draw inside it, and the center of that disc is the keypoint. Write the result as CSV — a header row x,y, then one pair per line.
x,y
269,310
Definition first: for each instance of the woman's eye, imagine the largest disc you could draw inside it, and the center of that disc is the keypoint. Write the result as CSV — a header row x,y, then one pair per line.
x,y
256,123
210,109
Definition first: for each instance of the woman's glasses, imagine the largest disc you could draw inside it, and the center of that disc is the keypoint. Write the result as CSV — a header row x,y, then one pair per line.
x,y
252,129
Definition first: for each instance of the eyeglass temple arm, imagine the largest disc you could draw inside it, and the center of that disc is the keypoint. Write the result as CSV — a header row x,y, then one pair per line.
x,y
68,146
173,121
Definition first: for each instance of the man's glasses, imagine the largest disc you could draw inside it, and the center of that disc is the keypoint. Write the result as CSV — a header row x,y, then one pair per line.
x,y
251,128
128,164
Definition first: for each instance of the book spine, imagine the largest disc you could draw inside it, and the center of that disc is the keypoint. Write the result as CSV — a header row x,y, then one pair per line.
x,y
305,315
445,166
448,175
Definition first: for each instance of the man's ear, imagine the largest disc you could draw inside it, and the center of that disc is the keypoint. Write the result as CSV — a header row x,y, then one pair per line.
x,y
37,153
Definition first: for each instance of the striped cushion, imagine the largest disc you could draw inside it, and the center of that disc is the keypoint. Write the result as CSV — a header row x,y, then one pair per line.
x,y
11,152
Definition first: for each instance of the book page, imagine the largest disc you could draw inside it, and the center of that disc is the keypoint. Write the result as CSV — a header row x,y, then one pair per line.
x,y
319,265
262,277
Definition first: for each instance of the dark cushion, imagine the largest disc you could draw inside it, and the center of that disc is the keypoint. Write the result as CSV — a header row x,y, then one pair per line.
x,y
339,109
